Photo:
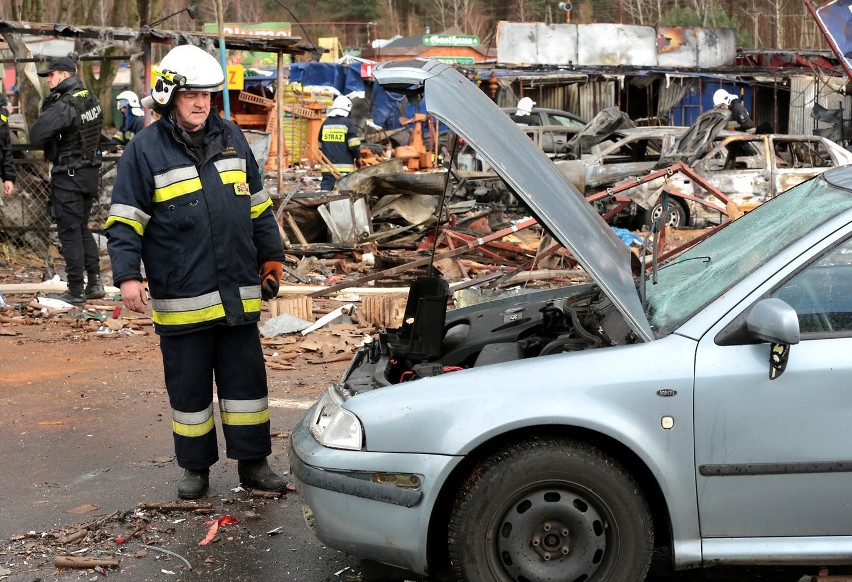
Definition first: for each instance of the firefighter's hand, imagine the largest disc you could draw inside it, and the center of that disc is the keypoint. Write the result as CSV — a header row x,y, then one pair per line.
x,y
270,279
8,187
133,295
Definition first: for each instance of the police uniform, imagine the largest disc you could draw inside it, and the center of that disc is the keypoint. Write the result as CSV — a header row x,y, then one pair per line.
x,y
339,142
7,167
201,221
69,131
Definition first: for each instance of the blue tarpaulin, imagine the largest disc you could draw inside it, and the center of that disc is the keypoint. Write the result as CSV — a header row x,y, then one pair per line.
x,y
344,78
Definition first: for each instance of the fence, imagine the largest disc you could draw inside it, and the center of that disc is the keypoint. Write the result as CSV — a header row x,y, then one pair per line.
x,y
24,215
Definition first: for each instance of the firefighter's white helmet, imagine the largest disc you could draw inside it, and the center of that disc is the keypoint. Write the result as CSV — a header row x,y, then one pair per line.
x,y
525,106
131,101
721,96
340,107
186,68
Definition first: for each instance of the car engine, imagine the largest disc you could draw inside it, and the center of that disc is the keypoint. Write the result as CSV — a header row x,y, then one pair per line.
x,y
430,342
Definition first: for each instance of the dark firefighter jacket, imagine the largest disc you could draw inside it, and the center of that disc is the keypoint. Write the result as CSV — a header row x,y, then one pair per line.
x,y
69,126
131,125
202,227
7,167
339,141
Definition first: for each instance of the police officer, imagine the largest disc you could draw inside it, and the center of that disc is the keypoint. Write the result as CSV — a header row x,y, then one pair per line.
x,y
339,142
522,114
7,167
133,118
69,130
189,202
724,100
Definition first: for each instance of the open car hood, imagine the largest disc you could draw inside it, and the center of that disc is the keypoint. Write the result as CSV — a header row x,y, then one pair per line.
x,y
556,204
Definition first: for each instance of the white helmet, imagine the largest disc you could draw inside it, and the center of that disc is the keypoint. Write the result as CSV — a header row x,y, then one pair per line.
x,y
131,101
340,107
721,96
525,106
185,68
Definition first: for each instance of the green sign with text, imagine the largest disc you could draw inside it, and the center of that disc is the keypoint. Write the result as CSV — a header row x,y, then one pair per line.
x,y
450,40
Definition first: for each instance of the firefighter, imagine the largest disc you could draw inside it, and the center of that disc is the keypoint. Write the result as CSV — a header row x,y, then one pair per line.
x,y
522,114
69,131
339,142
724,100
131,110
189,203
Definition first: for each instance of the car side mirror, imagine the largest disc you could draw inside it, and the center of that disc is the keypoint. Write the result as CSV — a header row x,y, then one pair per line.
x,y
774,321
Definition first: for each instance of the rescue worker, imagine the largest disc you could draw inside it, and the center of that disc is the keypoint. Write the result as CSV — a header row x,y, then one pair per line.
x,y
7,167
522,114
133,118
189,202
69,131
339,142
724,100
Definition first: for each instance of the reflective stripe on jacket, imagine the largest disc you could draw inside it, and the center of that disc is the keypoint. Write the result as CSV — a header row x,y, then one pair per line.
x,y
201,227
339,142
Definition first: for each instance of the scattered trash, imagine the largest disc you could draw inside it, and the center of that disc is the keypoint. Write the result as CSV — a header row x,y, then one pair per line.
x,y
214,528
169,552
347,309
282,325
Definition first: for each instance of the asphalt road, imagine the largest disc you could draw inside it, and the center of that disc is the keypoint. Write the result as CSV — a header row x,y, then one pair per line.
x,y
85,438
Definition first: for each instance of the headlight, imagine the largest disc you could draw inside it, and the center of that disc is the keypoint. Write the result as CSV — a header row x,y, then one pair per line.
x,y
335,427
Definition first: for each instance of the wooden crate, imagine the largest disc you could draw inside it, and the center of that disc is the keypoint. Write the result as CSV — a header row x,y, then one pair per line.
x,y
299,306
383,310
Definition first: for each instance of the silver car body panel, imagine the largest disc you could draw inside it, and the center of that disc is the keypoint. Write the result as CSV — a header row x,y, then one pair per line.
x,y
465,109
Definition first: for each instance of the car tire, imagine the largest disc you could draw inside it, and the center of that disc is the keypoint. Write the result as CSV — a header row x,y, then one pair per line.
x,y
677,215
550,509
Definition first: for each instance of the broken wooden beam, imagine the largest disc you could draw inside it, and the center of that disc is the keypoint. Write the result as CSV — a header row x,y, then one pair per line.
x,y
462,249
84,562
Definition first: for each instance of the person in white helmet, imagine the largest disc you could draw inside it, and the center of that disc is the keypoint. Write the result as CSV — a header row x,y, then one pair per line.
x,y
724,100
133,118
339,142
189,202
522,112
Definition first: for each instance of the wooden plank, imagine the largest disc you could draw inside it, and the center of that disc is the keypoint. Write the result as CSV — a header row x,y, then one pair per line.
x,y
296,230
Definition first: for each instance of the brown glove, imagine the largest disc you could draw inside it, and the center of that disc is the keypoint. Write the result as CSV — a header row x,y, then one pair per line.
x,y
270,279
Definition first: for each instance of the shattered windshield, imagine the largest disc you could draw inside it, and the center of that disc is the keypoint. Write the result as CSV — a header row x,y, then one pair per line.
x,y
698,276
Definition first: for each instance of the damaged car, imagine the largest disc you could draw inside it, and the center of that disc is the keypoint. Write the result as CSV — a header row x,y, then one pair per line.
x,y
747,168
564,434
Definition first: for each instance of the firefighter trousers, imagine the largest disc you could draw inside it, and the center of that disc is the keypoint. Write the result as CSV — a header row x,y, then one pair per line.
x,y
231,355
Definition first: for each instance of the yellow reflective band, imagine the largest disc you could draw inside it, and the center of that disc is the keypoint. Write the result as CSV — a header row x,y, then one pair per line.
x,y
137,226
258,210
188,317
245,418
177,189
251,305
193,430
354,142
233,177
3,118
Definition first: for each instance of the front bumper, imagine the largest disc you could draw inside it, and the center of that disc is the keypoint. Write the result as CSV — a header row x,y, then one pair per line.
x,y
375,521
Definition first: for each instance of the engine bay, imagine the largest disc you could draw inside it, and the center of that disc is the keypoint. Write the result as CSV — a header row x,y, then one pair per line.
x,y
432,341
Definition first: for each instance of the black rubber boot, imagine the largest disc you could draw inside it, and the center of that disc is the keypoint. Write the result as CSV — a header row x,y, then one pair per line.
x,y
193,484
74,295
95,288
256,474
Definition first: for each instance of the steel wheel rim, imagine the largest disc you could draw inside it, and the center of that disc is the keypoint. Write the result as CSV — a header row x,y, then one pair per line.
x,y
673,214
549,533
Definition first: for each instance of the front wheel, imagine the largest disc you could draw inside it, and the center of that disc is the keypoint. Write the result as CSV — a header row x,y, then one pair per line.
x,y
550,509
